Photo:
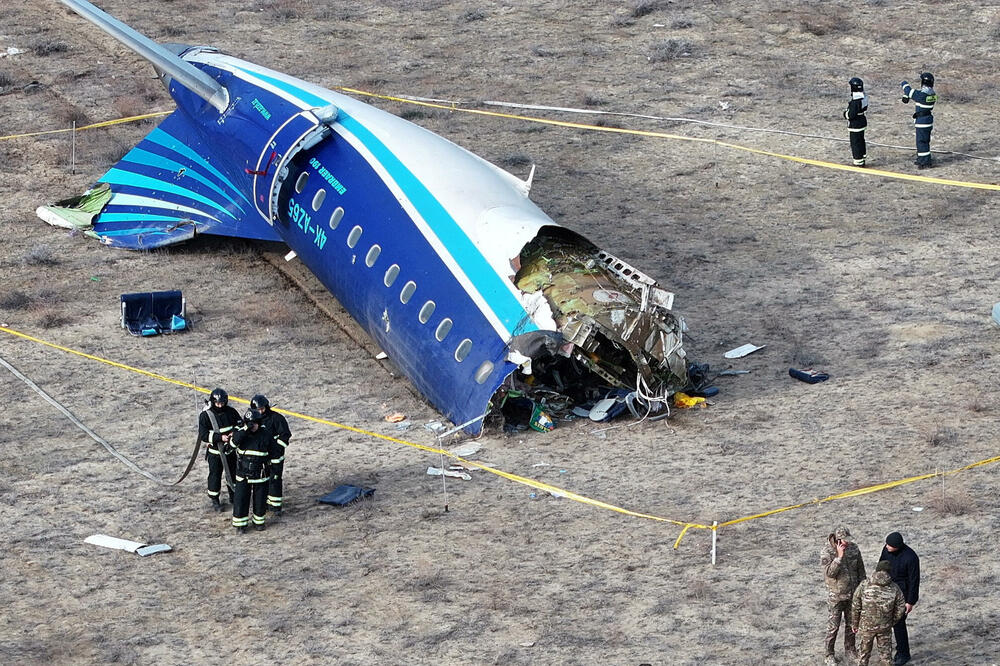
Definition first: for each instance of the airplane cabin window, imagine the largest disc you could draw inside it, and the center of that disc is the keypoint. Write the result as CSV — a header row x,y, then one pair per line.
x,y
426,312
372,255
318,198
300,184
391,274
463,349
354,237
336,217
407,293
483,373
443,329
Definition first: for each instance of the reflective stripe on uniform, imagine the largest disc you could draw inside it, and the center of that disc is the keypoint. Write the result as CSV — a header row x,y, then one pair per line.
x,y
283,444
240,522
215,451
275,461
856,129
274,501
213,493
252,453
931,125
924,154
266,478
258,520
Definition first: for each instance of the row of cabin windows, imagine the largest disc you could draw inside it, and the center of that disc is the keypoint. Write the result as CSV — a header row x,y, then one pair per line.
x,y
443,328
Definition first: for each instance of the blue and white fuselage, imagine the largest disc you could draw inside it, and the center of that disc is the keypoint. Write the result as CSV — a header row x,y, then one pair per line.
x,y
420,240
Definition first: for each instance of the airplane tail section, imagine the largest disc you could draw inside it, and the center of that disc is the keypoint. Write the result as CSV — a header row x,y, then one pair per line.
x,y
164,191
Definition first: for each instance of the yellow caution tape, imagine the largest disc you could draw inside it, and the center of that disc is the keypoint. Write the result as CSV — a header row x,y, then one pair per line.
x,y
539,485
594,128
679,137
105,123
554,490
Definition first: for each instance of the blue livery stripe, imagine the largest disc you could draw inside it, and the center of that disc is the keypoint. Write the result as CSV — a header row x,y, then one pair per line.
x,y
140,156
484,278
170,142
117,176
112,218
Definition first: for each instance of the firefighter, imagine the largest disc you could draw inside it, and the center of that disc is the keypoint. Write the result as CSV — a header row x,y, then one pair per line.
x,y
856,121
275,424
254,449
923,116
216,424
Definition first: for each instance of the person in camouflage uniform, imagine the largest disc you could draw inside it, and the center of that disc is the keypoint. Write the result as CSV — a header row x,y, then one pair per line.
x,y
877,605
843,570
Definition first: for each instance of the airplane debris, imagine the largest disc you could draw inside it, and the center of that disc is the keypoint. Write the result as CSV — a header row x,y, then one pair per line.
x,y
467,449
742,351
435,427
809,376
730,372
381,356
140,549
11,51
344,494
395,417
996,313
437,471
685,401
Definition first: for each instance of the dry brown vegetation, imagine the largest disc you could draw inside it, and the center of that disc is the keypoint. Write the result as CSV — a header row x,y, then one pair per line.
x,y
885,284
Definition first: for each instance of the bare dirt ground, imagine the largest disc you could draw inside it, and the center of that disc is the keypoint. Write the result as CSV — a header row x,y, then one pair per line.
x,y
886,284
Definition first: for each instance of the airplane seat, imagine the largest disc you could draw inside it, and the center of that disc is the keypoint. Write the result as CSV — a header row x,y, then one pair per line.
x,y
154,312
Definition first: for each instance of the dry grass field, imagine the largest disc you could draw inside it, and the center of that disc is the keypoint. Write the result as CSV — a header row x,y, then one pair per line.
x,y
886,284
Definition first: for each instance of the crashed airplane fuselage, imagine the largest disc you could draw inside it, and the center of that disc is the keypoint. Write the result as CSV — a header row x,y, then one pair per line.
x,y
442,258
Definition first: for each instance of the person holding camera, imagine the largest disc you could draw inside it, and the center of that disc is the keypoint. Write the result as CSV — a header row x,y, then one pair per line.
x,y
843,570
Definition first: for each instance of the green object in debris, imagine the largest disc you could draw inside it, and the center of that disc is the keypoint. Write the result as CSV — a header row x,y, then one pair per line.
x,y
77,212
540,420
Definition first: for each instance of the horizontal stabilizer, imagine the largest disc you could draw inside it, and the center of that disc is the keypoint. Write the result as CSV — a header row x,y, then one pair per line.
x,y
164,191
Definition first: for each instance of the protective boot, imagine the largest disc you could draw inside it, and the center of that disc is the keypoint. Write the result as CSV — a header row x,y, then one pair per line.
x,y
260,527
216,504
241,529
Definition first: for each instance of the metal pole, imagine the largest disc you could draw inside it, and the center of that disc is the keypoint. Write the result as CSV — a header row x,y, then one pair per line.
x,y
72,162
715,532
444,484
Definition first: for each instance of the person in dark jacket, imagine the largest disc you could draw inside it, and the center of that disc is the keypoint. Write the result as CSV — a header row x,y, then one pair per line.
x,y
277,426
905,572
856,121
215,429
923,118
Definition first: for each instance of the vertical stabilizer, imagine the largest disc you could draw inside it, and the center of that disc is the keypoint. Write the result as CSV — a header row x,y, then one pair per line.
x,y
179,69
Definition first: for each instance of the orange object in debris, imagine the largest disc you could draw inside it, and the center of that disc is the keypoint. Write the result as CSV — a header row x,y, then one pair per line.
x,y
395,418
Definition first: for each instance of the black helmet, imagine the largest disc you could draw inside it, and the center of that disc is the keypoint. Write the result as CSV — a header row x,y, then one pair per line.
x,y
253,415
219,395
259,402
857,85
927,79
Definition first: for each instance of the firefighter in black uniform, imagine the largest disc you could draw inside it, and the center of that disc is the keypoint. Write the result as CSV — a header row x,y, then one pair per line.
x,y
275,424
254,449
216,424
923,116
856,121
